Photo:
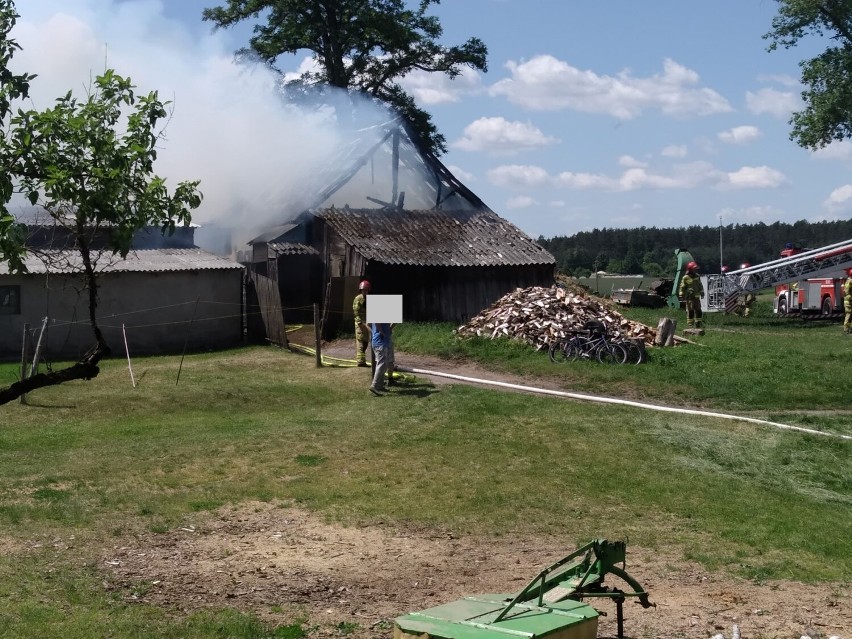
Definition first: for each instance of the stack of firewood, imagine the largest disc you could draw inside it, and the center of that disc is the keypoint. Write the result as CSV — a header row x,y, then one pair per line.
x,y
540,316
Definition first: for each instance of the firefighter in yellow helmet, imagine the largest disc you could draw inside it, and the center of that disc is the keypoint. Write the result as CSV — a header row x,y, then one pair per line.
x,y
362,332
847,302
691,291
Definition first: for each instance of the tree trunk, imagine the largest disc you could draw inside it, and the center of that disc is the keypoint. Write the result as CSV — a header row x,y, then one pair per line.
x,y
86,368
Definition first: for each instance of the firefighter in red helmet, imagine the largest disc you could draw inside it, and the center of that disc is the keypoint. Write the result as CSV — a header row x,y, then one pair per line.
x,y
847,302
362,332
690,292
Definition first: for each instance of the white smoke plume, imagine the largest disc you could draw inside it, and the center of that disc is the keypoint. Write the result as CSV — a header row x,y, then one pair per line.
x,y
253,154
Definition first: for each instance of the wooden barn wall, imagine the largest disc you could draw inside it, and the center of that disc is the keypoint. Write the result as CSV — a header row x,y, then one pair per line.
x,y
430,293
264,320
299,286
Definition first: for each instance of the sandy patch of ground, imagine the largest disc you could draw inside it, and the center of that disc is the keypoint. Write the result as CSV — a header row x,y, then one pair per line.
x,y
266,558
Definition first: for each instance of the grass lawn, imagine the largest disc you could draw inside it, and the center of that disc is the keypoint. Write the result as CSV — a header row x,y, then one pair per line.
x,y
100,459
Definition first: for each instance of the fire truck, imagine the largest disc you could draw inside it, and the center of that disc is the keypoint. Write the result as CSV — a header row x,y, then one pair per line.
x,y
821,296
806,282
815,296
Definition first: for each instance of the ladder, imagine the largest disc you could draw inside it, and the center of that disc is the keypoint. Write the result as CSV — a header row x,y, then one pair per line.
x,y
723,290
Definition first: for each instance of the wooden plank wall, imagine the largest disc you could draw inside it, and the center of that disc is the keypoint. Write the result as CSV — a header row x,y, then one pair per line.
x,y
264,310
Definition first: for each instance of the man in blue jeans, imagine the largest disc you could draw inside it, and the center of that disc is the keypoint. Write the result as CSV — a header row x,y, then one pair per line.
x,y
383,354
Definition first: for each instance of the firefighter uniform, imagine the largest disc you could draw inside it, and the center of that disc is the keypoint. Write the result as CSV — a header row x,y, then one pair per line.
x,y
691,291
362,337
847,305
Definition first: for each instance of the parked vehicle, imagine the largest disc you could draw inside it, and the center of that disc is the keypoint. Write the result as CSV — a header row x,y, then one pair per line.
x,y
814,296
806,281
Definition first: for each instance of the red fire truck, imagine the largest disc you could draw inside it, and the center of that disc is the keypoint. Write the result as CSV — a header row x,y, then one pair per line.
x,y
816,296
820,296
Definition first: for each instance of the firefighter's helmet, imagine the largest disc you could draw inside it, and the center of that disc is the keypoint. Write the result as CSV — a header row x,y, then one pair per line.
x,y
745,265
692,266
724,269
364,286
849,272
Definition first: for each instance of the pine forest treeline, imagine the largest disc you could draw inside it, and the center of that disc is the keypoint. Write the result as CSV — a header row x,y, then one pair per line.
x,y
651,250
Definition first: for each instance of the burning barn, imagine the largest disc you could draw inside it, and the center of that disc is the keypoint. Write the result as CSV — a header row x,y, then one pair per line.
x,y
398,217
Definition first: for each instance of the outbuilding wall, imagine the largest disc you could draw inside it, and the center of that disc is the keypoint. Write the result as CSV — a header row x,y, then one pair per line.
x,y
162,312
453,294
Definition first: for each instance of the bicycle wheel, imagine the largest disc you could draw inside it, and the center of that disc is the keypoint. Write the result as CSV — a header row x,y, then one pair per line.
x,y
572,350
611,354
635,354
556,352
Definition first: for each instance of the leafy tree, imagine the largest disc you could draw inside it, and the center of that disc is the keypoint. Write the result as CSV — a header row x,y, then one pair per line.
x,y
89,165
362,45
827,115
12,87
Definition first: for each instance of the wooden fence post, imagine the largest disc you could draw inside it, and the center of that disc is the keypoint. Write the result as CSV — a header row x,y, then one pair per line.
x,y
317,335
25,356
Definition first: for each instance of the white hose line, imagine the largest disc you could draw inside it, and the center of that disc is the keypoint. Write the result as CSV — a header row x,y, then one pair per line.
x,y
623,402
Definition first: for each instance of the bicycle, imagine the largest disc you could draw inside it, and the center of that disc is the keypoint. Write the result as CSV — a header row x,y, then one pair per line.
x,y
635,353
591,344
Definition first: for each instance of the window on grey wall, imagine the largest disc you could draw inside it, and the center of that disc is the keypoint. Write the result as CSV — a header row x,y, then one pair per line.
x,y
10,300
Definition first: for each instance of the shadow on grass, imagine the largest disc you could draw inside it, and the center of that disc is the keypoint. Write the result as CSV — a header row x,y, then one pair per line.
x,y
413,389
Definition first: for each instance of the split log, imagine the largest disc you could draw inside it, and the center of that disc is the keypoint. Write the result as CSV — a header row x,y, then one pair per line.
x,y
541,316
665,332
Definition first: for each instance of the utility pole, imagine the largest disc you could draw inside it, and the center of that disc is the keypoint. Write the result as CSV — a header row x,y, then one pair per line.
x,y
721,258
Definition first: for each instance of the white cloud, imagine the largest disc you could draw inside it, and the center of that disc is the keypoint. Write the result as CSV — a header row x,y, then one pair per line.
x,y
740,135
755,214
754,177
545,83
498,135
781,78
630,161
674,151
307,65
836,150
779,104
521,202
584,181
465,176
438,88
750,214
840,199
517,176
682,176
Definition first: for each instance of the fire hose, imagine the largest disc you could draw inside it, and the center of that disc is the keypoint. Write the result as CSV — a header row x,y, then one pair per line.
x,y
625,402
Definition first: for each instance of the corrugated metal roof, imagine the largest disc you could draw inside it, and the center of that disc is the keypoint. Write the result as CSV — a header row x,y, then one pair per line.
x,y
435,237
290,248
274,233
141,261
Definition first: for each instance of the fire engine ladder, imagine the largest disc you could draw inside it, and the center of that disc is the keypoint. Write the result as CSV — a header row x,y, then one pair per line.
x,y
723,290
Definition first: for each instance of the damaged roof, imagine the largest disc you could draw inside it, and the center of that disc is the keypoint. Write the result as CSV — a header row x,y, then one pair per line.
x,y
435,237
138,261
290,248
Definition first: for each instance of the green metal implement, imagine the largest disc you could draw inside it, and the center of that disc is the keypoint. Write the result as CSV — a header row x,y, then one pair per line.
x,y
549,606
684,257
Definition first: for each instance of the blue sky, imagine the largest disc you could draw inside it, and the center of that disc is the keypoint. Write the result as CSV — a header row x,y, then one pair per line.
x,y
592,114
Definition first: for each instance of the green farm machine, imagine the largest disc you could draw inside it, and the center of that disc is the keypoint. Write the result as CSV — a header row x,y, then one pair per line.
x,y
552,605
